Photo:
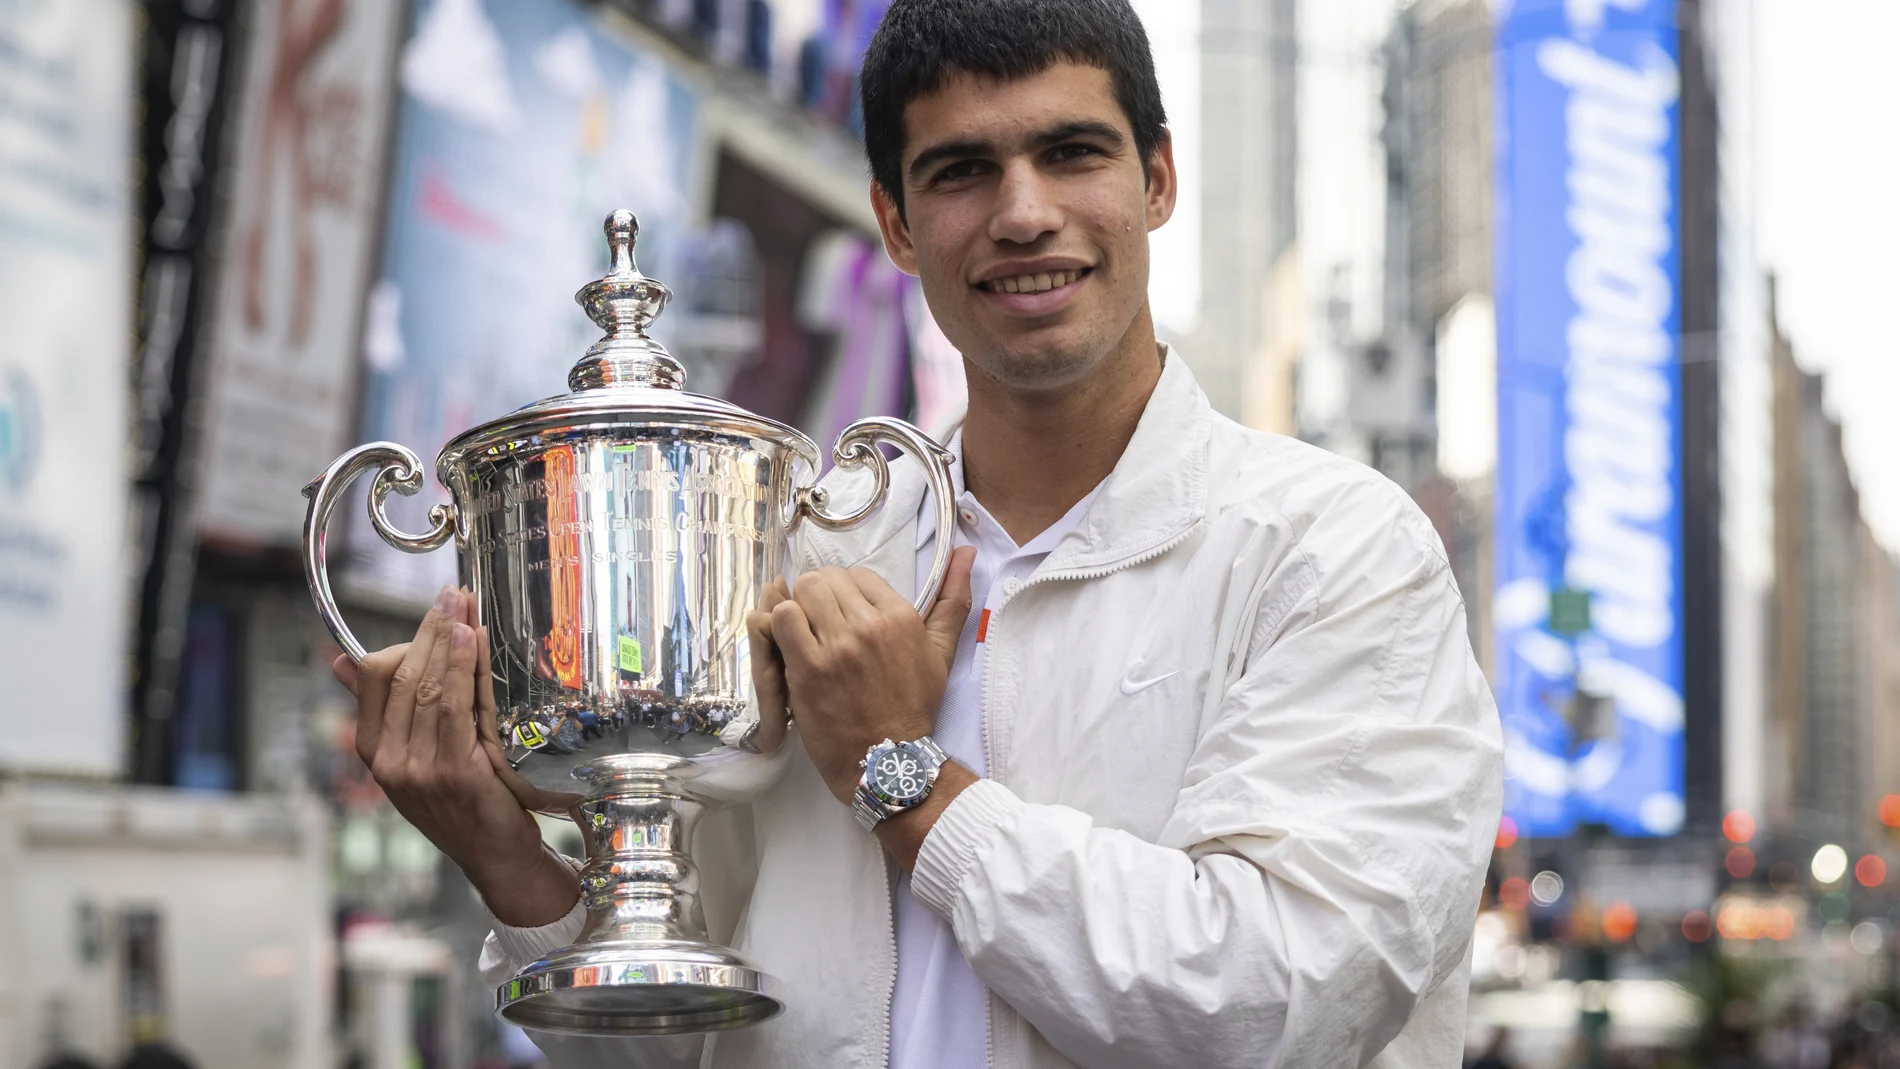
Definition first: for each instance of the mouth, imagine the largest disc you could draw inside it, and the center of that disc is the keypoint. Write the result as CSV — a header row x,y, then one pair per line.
x,y
1039,282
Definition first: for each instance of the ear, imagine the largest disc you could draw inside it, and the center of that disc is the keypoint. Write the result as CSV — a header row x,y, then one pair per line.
x,y
890,222
1162,186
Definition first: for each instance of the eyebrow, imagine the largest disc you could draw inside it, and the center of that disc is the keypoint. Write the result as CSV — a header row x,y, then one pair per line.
x,y
1055,135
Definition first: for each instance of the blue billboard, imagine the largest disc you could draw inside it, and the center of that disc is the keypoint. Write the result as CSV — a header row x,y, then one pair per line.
x,y
1587,554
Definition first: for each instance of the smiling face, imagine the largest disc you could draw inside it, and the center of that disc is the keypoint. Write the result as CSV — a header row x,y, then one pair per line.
x,y
1026,216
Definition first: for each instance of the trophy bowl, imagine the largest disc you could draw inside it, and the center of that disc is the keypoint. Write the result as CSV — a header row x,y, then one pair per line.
x,y
614,538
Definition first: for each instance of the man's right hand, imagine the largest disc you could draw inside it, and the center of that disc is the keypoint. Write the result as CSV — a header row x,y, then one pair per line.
x,y
417,706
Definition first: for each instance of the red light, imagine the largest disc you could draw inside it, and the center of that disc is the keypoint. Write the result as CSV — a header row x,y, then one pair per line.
x,y
1740,862
1515,893
1738,826
1619,922
1507,832
1890,811
1870,871
1696,926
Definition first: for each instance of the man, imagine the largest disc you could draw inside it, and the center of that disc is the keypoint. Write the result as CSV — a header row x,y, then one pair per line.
x,y
1222,776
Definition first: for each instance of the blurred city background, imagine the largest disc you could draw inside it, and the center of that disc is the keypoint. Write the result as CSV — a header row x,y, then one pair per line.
x,y
1604,284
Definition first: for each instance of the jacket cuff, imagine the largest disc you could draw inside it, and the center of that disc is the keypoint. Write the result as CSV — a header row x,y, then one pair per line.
x,y
967,824
522,945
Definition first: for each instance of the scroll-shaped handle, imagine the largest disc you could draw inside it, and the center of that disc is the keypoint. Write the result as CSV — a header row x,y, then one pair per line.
x,y
398,470
858,447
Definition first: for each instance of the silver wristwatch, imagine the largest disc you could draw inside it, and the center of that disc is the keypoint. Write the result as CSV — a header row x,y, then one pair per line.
x,y
897,776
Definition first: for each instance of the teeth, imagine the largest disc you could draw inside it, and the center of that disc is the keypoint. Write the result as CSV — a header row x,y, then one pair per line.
x,y
1038,283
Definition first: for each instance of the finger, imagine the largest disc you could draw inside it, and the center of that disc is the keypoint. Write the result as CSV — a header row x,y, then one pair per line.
x,y
817,595
372,696
455,731
346,672
486,714
768,681
768,666
425,721
875,591
775,592
852,602
791,631
947,615
401,709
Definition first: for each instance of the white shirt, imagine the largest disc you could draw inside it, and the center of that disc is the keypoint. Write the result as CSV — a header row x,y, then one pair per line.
x,y
939,1009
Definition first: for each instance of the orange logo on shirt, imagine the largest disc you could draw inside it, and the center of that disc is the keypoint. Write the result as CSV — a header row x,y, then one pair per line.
x,y
983,625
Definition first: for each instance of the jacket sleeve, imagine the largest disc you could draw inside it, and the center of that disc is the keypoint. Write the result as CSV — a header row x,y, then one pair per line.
x,y
1319,875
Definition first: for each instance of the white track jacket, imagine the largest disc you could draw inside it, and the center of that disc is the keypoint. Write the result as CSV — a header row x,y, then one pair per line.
x,y
1270,857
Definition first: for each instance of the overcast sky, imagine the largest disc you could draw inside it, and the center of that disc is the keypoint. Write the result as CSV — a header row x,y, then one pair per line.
x,y
1828,102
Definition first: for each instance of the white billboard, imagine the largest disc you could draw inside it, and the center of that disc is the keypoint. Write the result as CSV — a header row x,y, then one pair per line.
x,y
298,242
66,236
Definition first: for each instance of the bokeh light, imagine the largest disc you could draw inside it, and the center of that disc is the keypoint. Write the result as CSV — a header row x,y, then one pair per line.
x,y
1890,810
1546,888
1507,833
1619,922
1697,927
1740,920
1867,937
1738,826
1777,923
1740,862
1782,876
1514,893
1870,871
1829,864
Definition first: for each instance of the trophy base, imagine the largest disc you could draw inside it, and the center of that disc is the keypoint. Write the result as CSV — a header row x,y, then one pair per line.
x,y
638,989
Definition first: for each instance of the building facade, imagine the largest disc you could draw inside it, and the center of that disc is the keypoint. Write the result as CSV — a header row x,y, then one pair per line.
x,y
1834,729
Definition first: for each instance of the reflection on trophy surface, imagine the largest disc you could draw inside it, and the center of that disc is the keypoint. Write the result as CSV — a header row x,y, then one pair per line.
x,y
614,538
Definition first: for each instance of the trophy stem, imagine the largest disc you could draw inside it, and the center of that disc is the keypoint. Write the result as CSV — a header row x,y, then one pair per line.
x,y
643,964
640,883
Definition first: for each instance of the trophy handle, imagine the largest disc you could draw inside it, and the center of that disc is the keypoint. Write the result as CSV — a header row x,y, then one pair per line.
x,y
397,469
857,447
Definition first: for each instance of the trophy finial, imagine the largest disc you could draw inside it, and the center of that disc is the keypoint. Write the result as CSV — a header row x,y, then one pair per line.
x,y
623,303
623,229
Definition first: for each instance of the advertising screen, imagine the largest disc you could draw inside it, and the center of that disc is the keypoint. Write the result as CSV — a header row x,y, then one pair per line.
x,y
521,127
66,295
306,202
1588,609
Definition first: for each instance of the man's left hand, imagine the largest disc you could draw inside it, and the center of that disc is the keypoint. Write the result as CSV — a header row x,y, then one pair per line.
x,y
861,665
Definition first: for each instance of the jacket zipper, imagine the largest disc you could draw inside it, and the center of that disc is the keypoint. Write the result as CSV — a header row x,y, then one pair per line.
x,y
989,750
890,985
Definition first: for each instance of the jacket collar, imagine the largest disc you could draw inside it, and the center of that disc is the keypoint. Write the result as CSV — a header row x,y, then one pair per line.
x,y
1156,493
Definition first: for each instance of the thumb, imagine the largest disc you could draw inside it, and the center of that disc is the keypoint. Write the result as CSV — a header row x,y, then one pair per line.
x,y
946,618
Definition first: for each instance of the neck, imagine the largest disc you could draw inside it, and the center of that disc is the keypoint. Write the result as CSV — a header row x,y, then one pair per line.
x,y
1030,455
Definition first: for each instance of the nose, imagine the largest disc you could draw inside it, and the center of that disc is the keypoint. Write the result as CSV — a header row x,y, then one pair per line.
x,y
1024,209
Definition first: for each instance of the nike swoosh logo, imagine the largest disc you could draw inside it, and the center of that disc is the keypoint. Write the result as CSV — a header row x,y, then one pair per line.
x,y
1132,687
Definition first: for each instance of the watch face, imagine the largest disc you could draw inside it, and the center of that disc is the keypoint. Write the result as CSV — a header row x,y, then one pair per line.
x,y
900,775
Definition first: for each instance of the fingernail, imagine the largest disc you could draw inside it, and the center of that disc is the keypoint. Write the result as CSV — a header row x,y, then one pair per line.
x,y
461,636
447,601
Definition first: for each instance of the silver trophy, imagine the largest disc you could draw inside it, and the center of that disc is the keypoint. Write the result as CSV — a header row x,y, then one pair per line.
x,y
614,538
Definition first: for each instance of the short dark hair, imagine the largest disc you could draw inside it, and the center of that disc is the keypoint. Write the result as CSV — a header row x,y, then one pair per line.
x,y
922,43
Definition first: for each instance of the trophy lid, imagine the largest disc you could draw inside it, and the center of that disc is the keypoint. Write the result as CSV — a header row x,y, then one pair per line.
x,y
627,378
623,303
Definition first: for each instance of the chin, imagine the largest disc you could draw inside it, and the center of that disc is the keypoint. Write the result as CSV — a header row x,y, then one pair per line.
x,y
1044,364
